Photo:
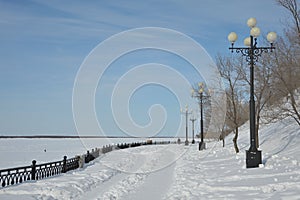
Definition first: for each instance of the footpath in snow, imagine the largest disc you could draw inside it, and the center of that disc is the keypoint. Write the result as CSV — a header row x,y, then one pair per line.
x,y
181,172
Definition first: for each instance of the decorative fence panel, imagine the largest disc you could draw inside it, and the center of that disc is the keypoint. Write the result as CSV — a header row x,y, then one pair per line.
x,y
48,169
15,175
72,163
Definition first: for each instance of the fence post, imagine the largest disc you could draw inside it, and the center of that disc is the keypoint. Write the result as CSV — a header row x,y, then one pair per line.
x,y
64,169
87,157
33,170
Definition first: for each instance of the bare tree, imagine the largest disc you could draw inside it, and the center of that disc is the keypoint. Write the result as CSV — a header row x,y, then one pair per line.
x,y
292,7
285,82
285,66
232,74
263,92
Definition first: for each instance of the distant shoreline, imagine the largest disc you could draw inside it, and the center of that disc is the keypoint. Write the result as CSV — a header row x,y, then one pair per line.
x,y
72,137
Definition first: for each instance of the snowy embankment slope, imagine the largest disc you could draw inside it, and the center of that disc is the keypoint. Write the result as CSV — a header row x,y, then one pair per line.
x,y
182,172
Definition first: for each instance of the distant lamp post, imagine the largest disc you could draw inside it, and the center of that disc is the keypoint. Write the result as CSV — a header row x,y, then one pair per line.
x,y
193,119
201,97
252,52
186,113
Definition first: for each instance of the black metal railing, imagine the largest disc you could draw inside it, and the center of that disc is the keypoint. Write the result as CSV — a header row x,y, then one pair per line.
x,y
89,156
35,171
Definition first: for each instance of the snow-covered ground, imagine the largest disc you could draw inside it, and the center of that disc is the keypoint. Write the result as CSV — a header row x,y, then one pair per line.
x,y
178,171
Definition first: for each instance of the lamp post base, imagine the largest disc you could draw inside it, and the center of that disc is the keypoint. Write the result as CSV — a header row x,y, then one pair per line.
x,y
253,158
193,141
186,142
202,146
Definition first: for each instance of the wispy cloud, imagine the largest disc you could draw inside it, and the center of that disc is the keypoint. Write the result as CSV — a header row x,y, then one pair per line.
x,y
44,42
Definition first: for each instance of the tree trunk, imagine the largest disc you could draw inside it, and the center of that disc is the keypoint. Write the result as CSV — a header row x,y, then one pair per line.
x,y
294,106
235,140
223,142
222,137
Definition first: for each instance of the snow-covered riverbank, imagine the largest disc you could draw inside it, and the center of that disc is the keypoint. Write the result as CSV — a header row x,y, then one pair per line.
x,y
181,172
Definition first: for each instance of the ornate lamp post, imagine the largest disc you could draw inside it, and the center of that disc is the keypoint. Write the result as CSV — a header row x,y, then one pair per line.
x,y
186,113
193,119
201,97
252,52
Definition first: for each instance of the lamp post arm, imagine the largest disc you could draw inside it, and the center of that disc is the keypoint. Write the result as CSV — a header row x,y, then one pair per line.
x,y
256,52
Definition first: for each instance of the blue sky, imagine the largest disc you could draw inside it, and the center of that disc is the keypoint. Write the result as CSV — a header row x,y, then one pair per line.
x,y
44,43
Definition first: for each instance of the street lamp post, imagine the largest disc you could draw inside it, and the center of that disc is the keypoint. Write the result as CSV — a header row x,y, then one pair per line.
x,y
193,119
186,113
200,96
252,52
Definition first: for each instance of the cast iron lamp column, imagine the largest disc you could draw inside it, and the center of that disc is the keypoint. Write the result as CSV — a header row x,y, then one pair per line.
x,y
193,119
252,52
186,113
200,96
